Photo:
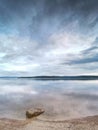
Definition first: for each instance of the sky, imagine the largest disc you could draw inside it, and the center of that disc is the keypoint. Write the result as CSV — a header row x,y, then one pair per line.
x,y
48,37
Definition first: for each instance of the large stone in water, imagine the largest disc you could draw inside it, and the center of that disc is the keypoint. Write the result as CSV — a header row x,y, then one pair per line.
x,y
34,113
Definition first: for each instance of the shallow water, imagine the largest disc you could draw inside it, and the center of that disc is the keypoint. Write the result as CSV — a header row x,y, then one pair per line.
x,y
60,99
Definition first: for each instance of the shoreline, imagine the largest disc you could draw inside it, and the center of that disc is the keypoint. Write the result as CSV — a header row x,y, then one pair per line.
x,y
85,123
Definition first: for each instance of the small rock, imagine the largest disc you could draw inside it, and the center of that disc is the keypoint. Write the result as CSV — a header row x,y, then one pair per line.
x,y
34,113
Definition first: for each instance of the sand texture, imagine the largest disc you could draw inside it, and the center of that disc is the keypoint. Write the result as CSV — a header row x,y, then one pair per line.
x,y
88,123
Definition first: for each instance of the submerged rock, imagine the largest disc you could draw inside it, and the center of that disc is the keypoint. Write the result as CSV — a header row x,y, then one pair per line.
x,y
34,113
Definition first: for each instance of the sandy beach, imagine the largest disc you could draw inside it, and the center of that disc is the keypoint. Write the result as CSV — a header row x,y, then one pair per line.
x,y
87,123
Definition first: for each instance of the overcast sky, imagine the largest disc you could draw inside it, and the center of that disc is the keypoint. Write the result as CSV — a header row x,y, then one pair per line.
x,y
48,37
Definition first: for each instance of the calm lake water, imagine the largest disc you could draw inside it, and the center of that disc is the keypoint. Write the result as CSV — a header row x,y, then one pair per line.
x,y
60,99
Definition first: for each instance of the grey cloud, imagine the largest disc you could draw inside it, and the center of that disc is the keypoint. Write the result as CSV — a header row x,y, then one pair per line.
x,y
89,55
92,49
85,60
89,50
48,15
53,7
94,22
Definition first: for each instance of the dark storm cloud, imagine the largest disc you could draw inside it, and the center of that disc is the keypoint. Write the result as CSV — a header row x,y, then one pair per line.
x,y
47,9
44,17
54,6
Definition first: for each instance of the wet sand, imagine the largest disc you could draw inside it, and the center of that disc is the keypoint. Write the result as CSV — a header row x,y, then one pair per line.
x,y
87,123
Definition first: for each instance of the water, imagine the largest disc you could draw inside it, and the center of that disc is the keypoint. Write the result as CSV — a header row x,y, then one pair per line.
x,y
60,99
